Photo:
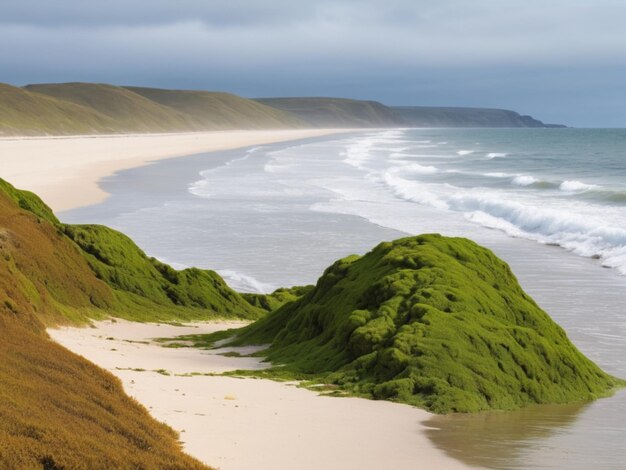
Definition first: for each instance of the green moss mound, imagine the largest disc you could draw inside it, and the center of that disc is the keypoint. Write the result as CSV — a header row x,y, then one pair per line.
x,y
70,273
115,259
436,322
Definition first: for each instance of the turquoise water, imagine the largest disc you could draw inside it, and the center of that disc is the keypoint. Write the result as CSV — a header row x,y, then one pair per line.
x,y
550,202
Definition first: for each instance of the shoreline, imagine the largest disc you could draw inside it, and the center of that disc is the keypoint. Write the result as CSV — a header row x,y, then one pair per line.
x,y
236,424
65,170
583,298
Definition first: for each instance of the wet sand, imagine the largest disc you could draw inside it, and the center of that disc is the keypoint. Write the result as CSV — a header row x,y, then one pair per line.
x,y
64,171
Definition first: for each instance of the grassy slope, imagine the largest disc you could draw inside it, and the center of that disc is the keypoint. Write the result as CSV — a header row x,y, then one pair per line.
x,y
437,322
129,111
91,108
26,113
57,410
337,112
212,110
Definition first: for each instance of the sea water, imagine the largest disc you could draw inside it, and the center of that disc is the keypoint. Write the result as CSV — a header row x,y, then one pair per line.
x,y
550,202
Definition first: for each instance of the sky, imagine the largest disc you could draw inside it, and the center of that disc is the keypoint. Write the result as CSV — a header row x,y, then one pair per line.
x,y
562,61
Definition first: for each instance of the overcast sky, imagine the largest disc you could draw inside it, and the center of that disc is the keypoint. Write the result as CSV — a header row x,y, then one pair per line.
x,y
559,60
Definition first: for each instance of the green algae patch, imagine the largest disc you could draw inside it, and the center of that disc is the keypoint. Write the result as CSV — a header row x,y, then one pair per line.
x,y
436,322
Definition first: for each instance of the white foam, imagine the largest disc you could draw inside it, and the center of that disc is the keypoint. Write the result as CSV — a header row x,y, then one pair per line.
x,y
524,180
498,174
578,229
492,155
575,186
415,168
244,283
377,172
202,187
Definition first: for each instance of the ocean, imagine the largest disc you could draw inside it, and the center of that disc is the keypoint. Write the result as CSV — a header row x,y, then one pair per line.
x,y
550,202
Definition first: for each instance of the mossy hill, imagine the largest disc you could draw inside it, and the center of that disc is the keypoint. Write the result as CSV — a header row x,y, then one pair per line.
x,y
440,323
70,273
57,410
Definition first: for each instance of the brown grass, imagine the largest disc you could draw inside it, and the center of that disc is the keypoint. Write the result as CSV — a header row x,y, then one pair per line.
x,y
58,410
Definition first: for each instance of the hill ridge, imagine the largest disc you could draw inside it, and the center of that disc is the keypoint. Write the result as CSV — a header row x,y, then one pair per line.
x,y
79,108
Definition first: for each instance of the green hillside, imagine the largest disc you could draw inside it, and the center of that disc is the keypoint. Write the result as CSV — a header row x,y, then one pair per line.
x,y
440,323
26,113
337,112
212,110
91,108
129,111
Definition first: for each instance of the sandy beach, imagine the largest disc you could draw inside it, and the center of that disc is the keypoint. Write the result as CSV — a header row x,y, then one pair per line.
x,y
234,424
65,171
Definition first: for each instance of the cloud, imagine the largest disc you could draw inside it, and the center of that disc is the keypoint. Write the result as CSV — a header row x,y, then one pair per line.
x,y
318,47
447,32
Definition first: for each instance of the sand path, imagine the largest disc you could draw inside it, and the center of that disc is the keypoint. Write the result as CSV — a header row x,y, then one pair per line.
x,y
234,424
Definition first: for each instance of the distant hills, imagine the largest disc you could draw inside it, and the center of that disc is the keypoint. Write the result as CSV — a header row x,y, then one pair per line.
x,y
430,116
91,108
88,108
338,112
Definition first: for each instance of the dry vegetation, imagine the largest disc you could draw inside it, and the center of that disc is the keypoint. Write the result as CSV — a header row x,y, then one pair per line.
x,y
57,410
